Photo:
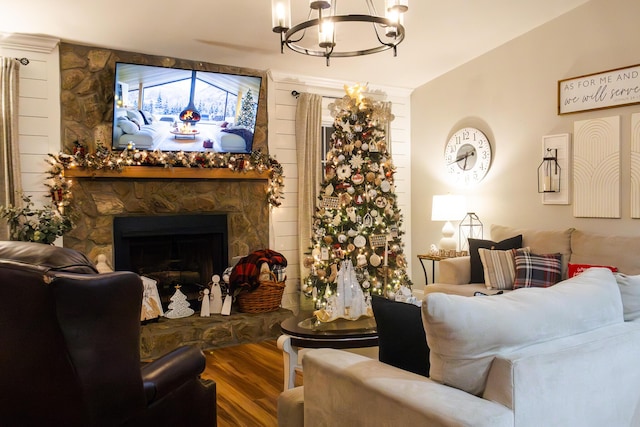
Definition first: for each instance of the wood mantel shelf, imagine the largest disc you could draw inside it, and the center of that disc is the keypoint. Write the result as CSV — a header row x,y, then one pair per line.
x,y
169,173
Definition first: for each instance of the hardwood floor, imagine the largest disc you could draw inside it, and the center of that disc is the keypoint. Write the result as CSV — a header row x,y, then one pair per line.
x,y
249,379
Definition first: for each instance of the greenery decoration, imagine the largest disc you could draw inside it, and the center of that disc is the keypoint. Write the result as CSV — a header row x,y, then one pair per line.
x,y
105,159
29,224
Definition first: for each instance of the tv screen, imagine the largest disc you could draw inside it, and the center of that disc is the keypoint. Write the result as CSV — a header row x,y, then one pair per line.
x,y
173,109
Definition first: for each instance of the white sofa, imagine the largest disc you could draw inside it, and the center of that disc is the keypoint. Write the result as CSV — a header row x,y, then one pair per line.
x,y
130,126
560,356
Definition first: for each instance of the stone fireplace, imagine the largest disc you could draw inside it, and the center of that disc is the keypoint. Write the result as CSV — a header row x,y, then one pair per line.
x,y
99,201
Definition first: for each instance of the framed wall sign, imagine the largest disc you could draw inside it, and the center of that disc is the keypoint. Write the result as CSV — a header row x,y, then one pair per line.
x,y
596,91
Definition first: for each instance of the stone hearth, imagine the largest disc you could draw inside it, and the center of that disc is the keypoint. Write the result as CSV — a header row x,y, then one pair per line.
x,y
217,331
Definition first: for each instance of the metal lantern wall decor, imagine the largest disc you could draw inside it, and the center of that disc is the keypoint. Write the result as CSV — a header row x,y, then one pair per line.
x,y
549,172
470,227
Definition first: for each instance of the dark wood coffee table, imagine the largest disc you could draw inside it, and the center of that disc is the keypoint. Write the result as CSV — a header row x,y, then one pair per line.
x,y
304,331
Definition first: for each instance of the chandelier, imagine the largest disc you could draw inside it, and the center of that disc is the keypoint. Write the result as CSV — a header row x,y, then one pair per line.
x,y
388,30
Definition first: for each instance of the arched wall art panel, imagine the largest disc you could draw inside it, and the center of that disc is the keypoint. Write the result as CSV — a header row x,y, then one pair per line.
x,y
596,173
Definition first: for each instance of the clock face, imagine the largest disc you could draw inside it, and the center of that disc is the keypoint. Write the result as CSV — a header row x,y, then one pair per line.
x,y
467,156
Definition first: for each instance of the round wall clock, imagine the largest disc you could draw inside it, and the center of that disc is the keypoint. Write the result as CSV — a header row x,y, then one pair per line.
x,y
467,156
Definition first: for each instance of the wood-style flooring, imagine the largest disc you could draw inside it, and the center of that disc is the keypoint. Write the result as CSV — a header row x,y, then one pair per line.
x,y
248,378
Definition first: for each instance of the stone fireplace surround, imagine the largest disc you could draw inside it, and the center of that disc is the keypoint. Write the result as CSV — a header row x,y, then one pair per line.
x,y
87,90
99,200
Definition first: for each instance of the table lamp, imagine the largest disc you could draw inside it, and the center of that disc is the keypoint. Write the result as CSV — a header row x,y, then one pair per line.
x,y
448,208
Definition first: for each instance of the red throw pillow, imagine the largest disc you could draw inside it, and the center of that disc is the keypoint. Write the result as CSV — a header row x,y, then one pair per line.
x,y
575,269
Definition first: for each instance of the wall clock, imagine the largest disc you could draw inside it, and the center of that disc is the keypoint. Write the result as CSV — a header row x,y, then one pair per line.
x,y
467,156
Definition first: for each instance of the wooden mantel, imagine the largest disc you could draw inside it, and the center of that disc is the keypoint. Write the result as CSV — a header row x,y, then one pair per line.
x,y
141,172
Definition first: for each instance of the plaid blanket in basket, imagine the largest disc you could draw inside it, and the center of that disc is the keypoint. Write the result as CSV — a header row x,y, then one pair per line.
x,y
246,272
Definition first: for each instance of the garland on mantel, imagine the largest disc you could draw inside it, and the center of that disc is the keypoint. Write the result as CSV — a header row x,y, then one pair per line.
x,y
105,159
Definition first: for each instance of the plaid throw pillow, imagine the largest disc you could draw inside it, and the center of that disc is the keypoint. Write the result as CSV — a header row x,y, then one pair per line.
x,y
537,271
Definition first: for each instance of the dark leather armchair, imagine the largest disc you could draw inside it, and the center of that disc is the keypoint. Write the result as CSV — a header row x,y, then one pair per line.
x,y
70,349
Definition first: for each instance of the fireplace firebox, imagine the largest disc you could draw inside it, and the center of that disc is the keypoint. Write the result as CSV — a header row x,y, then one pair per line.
x,y
174,250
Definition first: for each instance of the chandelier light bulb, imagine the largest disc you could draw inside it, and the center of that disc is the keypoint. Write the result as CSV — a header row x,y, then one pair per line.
x,y
326,34
280,15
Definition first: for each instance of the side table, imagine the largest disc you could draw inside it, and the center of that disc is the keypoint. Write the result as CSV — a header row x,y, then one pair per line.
x,y
304,331
433,259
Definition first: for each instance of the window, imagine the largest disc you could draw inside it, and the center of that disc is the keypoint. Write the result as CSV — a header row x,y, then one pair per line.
x,y
327,131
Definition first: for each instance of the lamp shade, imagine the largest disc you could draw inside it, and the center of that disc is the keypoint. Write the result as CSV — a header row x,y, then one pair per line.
x,y
448,207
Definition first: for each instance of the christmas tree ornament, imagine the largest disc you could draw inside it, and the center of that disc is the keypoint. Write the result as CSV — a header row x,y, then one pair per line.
x,y
328,190
356,161
359,241
365,147
342,238
351,214
385,186
357,178
375,260
367,220
343,171
361,260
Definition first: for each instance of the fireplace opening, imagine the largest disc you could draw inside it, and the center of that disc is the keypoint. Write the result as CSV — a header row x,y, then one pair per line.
x,y
175,250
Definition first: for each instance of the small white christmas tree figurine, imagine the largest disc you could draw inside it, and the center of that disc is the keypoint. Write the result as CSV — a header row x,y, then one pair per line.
x,y
356,247
179,306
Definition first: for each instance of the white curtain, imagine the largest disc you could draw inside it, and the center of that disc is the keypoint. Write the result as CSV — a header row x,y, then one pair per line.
x,y
308,148
9,155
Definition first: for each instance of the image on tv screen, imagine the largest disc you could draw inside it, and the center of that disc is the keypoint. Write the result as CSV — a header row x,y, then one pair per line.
x,y
171,109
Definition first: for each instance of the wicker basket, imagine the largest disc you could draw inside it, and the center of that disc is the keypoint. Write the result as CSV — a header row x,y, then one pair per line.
x,y
265,298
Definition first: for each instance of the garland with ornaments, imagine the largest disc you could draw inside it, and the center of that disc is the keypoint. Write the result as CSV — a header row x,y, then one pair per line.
x,y
105,159
357,226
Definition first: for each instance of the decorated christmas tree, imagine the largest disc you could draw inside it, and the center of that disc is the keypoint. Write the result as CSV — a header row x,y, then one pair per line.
x,y
356,247
247,109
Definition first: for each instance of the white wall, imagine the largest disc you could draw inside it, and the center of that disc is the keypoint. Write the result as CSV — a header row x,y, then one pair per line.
x,y
38,107
511,94
282,107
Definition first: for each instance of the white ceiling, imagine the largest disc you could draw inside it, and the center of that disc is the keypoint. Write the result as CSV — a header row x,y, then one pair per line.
x,y
440,35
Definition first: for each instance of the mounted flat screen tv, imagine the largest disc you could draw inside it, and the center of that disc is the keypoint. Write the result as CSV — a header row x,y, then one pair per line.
x,y
171,109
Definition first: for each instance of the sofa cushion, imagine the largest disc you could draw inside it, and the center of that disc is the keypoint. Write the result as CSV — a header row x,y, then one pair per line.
x,y
630,292
466,334
537,271
620,251
499,268
477,271
540,241
401,338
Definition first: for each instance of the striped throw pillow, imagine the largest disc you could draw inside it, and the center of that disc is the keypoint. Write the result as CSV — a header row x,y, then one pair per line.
x,y
499,268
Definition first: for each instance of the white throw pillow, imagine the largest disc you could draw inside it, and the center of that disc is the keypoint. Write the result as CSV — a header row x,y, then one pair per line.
x,y
128,126
630,292
135,114
465,334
